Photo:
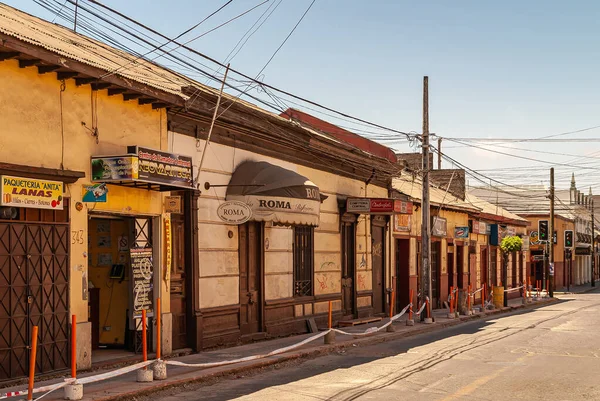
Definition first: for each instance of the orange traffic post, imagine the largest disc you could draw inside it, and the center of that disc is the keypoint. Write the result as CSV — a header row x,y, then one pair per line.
x,y
73,347
451,300
410,310
427,307
392,303
144,343
329,317
468,298
32,359
158,328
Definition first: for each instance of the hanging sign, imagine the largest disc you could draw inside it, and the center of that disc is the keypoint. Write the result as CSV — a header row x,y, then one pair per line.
x,y
94,193
27,192
173,204
439,226
483,227
234,212
403,207
377,206
169,250
402,223
142,273
461,232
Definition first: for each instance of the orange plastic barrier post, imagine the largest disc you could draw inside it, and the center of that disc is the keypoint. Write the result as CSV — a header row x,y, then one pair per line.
x,y
157,328
32,359
451,299
73,346
144,337
410,313
329,316
393,300
427,306
469,297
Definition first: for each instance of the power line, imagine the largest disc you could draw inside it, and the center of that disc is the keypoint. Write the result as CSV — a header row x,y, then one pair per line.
x,y
287,37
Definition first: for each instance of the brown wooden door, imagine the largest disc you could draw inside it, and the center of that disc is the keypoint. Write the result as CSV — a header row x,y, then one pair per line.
x,y
178,284
483,263
34,291
435,274
378,258
402,273
348,269
250,253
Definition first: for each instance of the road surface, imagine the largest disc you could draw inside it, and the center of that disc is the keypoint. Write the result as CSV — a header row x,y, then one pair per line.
x,y
550,353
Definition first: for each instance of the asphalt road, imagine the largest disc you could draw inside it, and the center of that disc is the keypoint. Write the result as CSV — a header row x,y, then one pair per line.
x,y
550,353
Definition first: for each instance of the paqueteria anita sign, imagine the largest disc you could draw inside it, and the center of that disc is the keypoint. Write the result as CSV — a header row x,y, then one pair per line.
x,y
27,192
234,212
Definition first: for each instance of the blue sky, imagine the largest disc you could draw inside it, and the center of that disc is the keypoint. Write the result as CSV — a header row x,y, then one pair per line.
x,y
497,69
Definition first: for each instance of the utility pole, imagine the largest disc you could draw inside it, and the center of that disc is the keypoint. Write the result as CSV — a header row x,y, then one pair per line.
x,y
425,224
76,9
439,153
593,242
550,286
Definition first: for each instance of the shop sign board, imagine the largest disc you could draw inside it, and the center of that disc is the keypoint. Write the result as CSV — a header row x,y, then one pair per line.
x,y
439,226
234,212
483,228
378,206
461,232
31,193
142,273
402,223
144,165
95,193
173,204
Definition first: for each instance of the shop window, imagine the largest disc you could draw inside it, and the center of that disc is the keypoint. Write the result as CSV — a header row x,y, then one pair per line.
x,y
303,260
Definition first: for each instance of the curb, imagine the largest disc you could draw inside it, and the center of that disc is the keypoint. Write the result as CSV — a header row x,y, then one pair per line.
x,y
203,375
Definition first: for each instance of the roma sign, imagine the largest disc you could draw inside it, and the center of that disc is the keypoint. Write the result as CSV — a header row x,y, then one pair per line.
x,y
234,212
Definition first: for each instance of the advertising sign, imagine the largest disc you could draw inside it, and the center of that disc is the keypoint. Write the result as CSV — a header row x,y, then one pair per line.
x,y
358,205
461,232
475,226
483,227
439,226
27,192
160,167
378,206
116,168
142,272
403,207
144,165
173,204
94,193
402,223
234,212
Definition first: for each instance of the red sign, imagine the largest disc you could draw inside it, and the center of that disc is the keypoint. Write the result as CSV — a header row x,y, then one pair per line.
x,y
403,207
382,205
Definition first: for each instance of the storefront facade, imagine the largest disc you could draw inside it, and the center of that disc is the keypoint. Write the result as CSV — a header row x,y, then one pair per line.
x,y
277,239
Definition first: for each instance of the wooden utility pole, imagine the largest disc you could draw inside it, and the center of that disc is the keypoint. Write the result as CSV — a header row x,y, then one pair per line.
x,y
425,223
550,286
439,153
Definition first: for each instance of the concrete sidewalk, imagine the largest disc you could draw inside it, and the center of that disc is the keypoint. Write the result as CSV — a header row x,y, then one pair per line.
x,y
577,289
126,387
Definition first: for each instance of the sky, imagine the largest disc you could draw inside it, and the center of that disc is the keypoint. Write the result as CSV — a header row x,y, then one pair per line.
x,y
509,69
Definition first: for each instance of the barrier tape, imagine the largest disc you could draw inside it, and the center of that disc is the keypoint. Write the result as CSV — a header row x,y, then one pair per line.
x,y
514,289
85,380
248,358
372,330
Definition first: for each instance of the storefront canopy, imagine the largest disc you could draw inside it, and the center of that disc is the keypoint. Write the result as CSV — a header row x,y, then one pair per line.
x,y
275,194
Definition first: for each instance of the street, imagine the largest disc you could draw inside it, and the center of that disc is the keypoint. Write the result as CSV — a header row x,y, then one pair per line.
x,y
546,353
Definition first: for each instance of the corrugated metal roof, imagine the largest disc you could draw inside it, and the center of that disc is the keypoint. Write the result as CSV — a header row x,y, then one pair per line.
x,y
488,208
412,186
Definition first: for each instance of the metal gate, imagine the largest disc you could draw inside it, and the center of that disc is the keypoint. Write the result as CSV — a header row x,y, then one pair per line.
x,y
34,291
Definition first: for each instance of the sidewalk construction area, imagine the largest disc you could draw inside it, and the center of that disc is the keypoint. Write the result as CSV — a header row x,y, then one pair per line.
x,y
155,375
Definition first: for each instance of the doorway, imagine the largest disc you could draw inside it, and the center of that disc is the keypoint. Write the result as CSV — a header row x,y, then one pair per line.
x,y
34,272
451,267
494,266
402,273
460,267
483,262
378,224
435,274
348,268
250,254
178,290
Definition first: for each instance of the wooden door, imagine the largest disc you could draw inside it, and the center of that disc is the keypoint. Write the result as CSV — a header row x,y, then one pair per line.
x,y
515,276
348,269
483,263
460,267
250,254
435,274
402,273
494,266
378,263
451,269
178,283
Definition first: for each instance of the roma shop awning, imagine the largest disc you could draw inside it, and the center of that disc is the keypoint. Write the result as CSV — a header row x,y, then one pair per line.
x,y
275,194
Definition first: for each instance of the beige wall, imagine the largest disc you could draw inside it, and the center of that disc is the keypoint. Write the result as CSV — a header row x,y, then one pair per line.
x,y
33,132
219,265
